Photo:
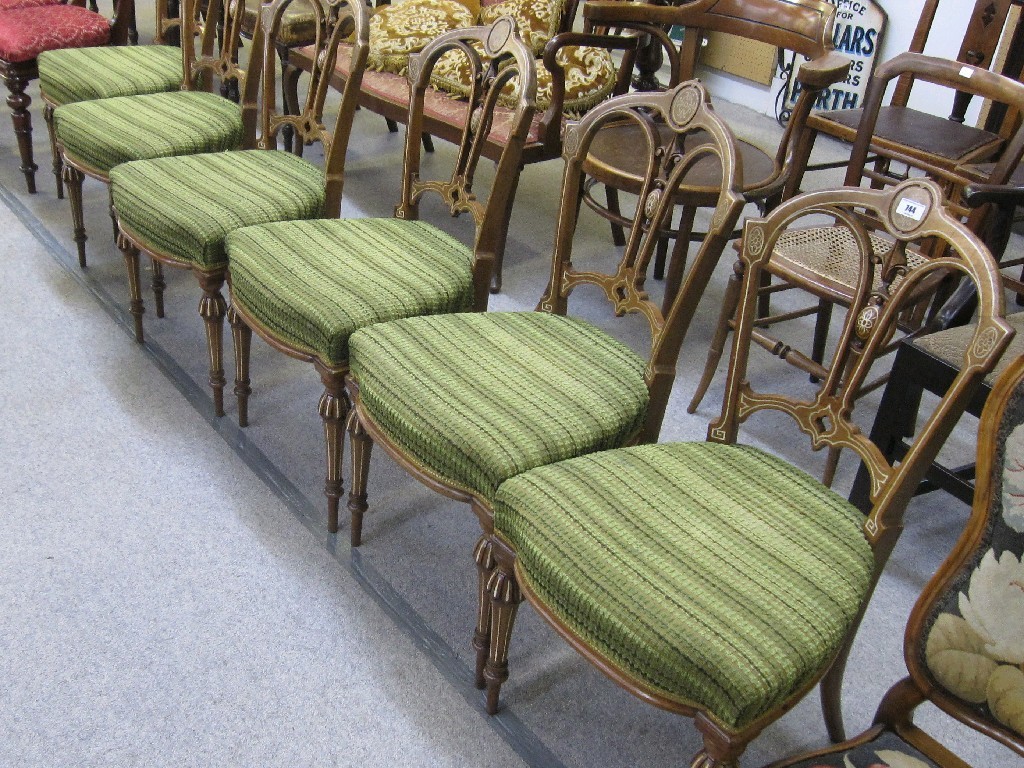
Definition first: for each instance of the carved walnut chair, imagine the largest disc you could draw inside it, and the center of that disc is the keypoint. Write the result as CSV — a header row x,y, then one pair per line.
x,y
92,137
819,261
26,32
306,286
714,579
803,26
464,402
964,643
179,210
72,75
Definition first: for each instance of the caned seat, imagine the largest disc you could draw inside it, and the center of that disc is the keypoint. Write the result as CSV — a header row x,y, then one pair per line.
x,y
514,390
734,576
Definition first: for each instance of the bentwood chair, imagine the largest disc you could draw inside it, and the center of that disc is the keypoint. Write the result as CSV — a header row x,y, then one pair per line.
x,y
803,26
92,137
71,75
28,31
465,401
821,261
306,286
714,579
179,210
964,645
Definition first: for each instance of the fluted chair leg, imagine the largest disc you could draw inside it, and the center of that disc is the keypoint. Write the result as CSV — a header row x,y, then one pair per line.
x,y
73,179
361,446
483,555
334,409
212,309
131,262
58,160
241,337
505,596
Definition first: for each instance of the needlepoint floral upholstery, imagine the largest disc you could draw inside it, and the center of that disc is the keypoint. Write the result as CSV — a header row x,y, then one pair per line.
x,y
480,397
26,32
214,194
105,133
719,575
85,74
314,283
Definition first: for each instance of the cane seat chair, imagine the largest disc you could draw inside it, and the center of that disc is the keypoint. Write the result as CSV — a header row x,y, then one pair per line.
x,y
179,210
714,579
963,646
92,137
28,31
307,286
71,75
820,261
803,26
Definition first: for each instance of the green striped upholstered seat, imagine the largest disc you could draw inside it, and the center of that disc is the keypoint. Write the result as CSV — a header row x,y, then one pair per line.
x,y
480,397
314,283
107,132
184,207
718,575
84,74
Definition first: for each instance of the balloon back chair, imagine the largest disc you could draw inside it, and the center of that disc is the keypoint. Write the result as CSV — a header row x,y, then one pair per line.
x,y
714,579
306,286
821,262
70,75
93,136
964,644
179,210
26,32
466,401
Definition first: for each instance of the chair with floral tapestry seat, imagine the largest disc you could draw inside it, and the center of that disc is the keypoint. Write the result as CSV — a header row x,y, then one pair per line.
x,y
179,210
306,286
819,262
27,31
465,401
92,137
964,644
70,75
715,579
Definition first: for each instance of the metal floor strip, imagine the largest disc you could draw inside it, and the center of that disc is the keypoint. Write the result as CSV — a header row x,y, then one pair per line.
x,y
515,733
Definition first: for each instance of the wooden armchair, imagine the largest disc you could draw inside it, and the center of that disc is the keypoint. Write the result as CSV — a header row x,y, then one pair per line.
x,y
179,210
306,286
28,31
964,644
714,579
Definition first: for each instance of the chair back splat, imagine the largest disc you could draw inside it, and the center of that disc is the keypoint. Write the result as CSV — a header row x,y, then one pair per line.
x,y
697,136
209,45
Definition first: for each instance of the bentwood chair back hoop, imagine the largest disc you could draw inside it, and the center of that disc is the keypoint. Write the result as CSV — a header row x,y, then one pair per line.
x,y
621,551
963,643
203,197
816,260
339,275
803,26
28,31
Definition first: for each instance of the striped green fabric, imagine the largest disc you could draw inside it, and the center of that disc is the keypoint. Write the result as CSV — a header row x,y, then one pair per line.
x,y
480,397
315,283
719,575
84,74
185,206
108,132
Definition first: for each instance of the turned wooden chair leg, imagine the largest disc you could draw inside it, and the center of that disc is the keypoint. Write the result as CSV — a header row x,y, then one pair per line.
x,y
58,160
719,750
158,285
73,179
131,262
241,337
212,309
611,195
483,555
18,101
505,596
361,445
334,409
717,346
680,251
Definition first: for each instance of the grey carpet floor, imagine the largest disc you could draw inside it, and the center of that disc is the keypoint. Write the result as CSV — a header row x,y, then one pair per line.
x,y
169,594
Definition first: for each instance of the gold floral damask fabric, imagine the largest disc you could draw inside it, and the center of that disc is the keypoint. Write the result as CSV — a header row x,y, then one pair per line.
x,y
407,26
975,646
538,20
589,78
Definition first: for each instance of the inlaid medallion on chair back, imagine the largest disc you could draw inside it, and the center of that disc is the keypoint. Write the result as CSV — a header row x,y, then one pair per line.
x,y
697,137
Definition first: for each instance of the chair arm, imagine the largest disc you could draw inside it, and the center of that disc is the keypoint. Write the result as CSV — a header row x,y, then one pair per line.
x,y
976,195
820,73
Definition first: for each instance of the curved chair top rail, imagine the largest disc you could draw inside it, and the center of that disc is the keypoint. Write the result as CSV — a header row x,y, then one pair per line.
x,y
697,135
910,212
